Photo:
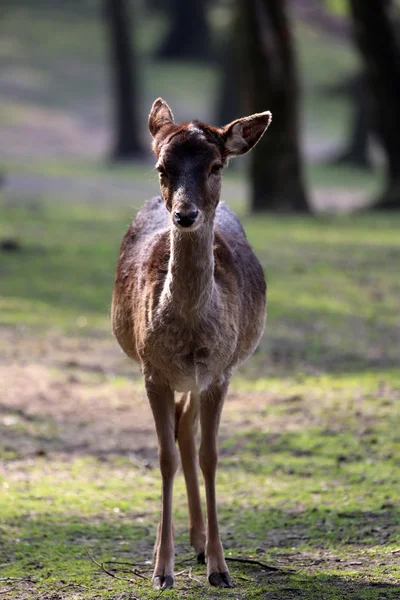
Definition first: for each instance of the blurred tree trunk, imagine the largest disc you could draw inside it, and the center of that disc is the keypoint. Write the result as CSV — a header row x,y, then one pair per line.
x,y
269,82
356,150
126,144
376,39
189,36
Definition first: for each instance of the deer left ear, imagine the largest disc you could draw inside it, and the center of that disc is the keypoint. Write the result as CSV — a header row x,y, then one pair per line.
x,y
243,134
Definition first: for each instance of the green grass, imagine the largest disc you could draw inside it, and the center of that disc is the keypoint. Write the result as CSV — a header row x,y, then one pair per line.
x,y
309,469
320,501
66,264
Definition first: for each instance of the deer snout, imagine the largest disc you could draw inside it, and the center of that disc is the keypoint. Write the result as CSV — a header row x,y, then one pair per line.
x,y
185,219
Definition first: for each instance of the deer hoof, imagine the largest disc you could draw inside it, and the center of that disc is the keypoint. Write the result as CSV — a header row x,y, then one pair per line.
x,y
201,558
162,583
220,579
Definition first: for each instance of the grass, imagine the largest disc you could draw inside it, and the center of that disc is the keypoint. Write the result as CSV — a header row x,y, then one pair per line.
x,y
309,469
341,270
320,501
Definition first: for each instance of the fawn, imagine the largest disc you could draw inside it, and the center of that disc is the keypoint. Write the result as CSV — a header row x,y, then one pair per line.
x,y
189,304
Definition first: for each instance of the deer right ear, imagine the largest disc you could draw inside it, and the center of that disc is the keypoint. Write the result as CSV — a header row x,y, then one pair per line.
x,y
160,115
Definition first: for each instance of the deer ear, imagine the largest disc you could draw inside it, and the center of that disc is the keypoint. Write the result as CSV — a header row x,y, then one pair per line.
x,y
243,134
160,115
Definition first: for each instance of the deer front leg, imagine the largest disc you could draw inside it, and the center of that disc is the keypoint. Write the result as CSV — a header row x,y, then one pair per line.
x,y
161,399
187,417
211,404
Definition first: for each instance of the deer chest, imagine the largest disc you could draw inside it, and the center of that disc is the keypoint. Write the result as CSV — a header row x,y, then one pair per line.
x,y
189,355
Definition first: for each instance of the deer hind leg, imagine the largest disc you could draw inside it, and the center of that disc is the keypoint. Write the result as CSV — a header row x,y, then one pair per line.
x,y
186,412
211,403
161,399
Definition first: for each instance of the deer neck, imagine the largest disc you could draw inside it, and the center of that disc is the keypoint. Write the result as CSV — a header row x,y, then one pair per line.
x,y
190,280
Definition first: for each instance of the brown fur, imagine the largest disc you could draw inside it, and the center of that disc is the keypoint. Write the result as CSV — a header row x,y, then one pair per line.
x,y
189,306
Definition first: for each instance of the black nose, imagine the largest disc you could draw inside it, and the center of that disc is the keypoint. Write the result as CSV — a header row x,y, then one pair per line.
x,y
185,219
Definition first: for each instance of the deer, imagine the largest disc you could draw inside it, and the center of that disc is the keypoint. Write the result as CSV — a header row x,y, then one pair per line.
x,y
189,305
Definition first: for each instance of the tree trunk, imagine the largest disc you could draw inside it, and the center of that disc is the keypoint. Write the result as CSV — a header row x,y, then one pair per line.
x,y
269,80
189,36
126,144
376,39
356,151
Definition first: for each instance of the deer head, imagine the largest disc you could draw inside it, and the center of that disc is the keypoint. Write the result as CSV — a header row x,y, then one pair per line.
x,y
190,159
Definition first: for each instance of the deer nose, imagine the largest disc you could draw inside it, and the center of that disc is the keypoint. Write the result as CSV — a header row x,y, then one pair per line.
x,y
185,219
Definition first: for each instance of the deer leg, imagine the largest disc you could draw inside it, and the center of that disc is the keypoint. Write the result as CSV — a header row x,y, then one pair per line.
x,y
211,403
161,399
187,420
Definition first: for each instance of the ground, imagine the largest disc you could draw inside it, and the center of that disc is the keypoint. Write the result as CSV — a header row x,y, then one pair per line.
x,y
309,469
309,475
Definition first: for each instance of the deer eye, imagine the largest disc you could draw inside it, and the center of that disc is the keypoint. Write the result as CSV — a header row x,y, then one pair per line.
x,y
161,171
215,169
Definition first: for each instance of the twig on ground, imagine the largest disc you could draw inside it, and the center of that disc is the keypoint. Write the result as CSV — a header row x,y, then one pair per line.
x,y
111,574
123,562
140,575
102,567
180,573
132,569
250,561
5,591
195,578
120,570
